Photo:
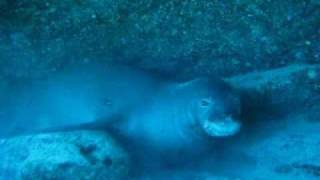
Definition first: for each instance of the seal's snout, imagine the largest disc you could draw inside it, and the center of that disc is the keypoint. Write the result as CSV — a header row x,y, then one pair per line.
x,y
221,127
216,106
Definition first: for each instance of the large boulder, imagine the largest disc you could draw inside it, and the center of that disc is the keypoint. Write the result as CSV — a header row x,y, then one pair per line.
x,y
286,90
190,37
63,155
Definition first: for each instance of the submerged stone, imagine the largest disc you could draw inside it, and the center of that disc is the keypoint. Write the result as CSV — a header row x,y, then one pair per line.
x,y
63,155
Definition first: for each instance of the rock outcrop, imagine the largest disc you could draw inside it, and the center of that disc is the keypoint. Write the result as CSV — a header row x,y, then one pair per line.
x,y
63,156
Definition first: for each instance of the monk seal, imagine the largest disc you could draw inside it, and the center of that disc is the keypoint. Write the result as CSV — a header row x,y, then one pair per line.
x,y
150,105
181,114
147,112
179,125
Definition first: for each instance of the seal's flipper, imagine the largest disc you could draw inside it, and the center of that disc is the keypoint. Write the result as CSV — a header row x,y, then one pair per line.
x,y
101,124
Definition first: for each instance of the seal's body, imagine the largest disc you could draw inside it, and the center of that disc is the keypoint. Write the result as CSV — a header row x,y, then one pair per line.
x,y
156,114
185,115
79,95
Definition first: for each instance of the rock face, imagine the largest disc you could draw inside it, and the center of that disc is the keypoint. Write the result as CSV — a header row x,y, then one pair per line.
x,y
193,37
65,155
286,90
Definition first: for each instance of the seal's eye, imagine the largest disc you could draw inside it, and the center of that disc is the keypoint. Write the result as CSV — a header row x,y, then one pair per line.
x,y
205,102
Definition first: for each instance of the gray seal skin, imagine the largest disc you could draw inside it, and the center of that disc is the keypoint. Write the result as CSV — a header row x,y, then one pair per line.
x,y
163,115
179,125
78,95
182,115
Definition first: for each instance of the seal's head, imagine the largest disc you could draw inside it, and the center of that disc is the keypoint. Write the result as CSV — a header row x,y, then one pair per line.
x,y
215,107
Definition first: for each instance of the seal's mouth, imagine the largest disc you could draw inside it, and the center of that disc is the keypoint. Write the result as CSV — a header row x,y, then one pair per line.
x,y
221,128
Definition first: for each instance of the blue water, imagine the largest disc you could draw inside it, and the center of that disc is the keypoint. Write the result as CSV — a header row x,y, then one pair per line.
x,y
178,90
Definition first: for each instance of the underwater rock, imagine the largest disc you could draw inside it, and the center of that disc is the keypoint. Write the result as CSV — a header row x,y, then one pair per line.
x,y
64,155
285,90
194,37
277,77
